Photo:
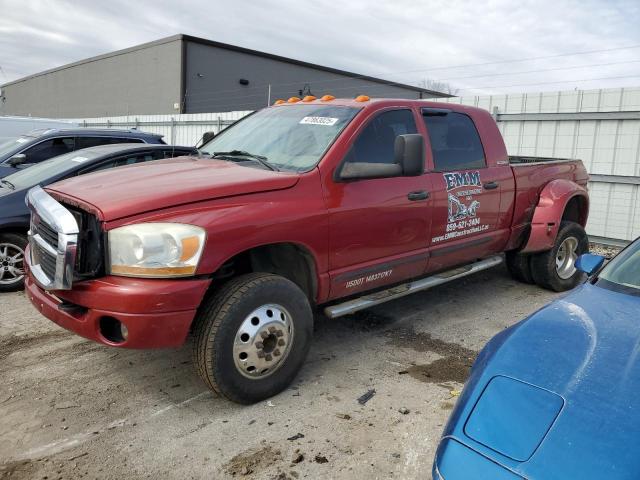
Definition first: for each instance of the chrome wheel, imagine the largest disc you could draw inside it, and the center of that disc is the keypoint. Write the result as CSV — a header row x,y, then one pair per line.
x,y
566,258
263,341
11,264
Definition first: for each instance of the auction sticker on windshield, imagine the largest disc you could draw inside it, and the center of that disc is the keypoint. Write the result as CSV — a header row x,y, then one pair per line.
x,y
328,121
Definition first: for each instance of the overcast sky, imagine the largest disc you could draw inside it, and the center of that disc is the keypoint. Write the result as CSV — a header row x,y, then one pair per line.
x,y
402,40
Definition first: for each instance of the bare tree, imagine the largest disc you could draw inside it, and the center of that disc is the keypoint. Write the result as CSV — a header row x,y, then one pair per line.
x,y
438,86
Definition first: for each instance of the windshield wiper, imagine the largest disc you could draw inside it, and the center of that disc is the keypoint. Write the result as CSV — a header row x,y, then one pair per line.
x,y
8,184
241,153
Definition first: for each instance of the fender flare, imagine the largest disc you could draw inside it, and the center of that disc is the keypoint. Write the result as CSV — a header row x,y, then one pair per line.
x,y
549,212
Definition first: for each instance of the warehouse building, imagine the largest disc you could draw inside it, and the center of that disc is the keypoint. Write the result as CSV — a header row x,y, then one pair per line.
x,y
184,74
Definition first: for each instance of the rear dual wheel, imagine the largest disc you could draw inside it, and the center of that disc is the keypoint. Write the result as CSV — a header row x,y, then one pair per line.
x,y
252,337
519,266
554,269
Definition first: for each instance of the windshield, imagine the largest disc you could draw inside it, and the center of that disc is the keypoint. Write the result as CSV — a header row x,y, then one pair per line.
x,y
624,269
9,145
44,171
289,137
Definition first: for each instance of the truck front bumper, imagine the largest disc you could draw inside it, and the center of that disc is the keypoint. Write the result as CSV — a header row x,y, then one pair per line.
x,y
155,313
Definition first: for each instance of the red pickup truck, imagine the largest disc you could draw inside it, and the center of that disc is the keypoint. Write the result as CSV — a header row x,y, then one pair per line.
x,y
339,203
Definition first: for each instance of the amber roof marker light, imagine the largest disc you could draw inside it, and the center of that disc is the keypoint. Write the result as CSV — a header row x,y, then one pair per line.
x,y
293,100
309,98
362,98
327,98
279,101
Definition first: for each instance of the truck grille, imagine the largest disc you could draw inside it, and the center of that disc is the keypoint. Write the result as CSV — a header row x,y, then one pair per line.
x,y
46,260
47,233
53,239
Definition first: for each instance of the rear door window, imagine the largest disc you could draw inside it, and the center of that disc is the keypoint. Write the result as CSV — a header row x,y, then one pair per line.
x,y
170,153
138,157
455,142
49,149
86,142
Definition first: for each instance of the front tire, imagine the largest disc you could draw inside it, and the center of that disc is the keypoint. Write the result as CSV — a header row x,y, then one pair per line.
x,y
12,247
252,337
555,269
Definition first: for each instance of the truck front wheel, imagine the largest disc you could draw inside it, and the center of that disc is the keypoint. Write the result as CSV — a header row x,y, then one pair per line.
x,y
252,337
556,269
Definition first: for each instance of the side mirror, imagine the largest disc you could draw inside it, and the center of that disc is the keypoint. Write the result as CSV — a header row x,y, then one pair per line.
x,y
589,263
409,152
17,159
207,137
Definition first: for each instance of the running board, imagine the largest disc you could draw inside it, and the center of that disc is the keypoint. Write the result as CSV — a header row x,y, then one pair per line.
x,y
334,311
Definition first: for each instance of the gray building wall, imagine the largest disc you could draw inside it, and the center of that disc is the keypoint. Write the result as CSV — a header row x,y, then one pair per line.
x,y
181,74
212,76
141,80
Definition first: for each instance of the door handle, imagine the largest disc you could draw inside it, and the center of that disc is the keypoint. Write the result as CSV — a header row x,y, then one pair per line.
x,y
490,185
421,195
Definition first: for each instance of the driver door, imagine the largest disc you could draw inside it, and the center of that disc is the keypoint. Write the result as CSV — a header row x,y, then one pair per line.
x,y
378,228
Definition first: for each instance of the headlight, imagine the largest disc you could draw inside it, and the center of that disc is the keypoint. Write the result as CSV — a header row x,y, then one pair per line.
x,y
155,250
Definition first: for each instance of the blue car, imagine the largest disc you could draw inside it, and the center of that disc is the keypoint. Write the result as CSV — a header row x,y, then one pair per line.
x,y
39,145
556,396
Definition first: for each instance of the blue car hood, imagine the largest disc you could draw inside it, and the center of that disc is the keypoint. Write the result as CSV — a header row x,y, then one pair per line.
x,y
585,348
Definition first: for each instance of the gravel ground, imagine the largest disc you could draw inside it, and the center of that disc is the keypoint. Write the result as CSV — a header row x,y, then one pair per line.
x,y
73,409
604,250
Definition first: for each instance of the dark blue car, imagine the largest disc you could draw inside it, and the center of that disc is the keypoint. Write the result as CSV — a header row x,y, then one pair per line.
x,y
14,214
40,145
557,396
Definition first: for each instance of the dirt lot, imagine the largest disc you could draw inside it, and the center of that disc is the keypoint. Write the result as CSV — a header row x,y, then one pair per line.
x,y
73,409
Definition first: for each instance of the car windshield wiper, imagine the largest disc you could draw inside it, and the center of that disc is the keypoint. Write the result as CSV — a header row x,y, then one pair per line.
x,y
8,184
241,153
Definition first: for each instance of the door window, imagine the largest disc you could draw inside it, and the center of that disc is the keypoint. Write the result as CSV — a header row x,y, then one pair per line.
x,y
121,161
49,149
376,143
455,142
86,142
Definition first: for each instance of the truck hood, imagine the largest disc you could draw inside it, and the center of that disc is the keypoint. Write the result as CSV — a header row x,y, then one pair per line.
x,y
135,189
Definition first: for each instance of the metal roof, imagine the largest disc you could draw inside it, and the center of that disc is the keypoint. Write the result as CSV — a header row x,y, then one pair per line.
x,y
203,41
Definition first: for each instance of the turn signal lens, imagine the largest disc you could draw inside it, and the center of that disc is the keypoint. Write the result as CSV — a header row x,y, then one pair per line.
x,y
362,98
278,102
293,100
328,98
309,98
190,247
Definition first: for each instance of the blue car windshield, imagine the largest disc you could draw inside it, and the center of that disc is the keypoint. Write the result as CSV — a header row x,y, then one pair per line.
x,y
624,269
